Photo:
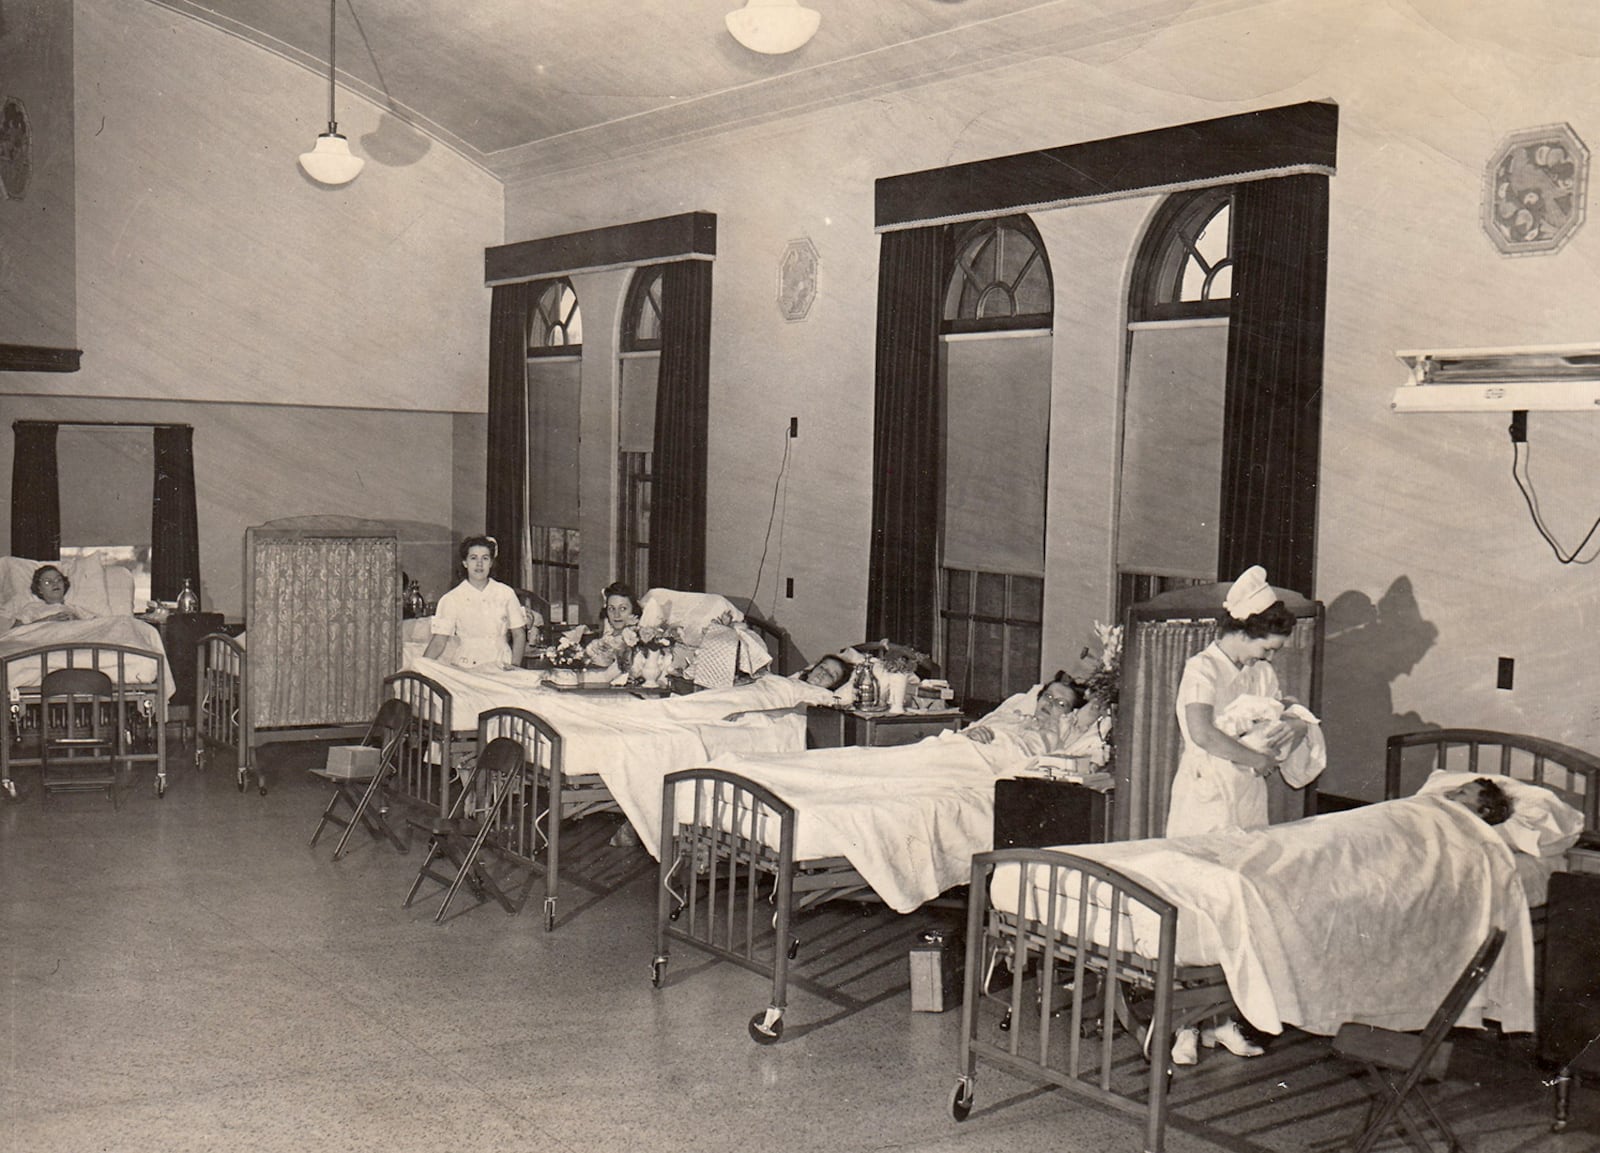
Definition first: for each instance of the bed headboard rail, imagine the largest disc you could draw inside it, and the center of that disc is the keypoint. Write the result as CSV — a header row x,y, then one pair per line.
x,y
1568,771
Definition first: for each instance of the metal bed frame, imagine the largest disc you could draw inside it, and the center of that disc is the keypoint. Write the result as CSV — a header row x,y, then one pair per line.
x,y
1099,977
139,705
724,861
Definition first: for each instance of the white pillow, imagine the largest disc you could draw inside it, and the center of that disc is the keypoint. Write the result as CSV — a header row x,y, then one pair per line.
x,y
691,613
88,576
1541,824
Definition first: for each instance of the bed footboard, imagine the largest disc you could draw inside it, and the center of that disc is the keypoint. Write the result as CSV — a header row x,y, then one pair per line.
x,y
1084,946
219,702
137,709
425,775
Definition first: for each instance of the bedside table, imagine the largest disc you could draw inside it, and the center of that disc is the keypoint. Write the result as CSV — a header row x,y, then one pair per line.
x,y
836,728
1036,812
1569,994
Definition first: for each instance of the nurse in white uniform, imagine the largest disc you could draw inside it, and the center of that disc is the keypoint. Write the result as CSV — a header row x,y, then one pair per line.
x,y
482,614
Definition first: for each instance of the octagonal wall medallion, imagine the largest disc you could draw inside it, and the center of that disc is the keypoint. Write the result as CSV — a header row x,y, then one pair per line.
x,y
1535,189
797,279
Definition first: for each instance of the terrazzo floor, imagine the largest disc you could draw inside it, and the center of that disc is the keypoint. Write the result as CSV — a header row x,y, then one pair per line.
x,y
186,974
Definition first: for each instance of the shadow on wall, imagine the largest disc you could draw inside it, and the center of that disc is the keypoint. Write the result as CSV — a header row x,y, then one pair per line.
x,y
1367,646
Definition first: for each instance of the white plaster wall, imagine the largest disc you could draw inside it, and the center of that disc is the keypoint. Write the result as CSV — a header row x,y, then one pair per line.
x,y
211,268
1427,90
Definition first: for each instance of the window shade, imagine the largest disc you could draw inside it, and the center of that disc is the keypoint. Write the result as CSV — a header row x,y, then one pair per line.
x,y
553,390
636,404
997,398
1172,451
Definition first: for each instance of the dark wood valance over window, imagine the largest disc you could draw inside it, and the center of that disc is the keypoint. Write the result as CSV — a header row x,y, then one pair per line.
x,y
1297,138
687,236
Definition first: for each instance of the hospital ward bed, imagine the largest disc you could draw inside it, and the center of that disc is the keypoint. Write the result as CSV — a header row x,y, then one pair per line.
x,y
898,823
1313,923
128,650
613,746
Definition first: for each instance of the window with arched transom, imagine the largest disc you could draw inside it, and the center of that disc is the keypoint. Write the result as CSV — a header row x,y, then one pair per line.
x,y
555,381
636,422
995,366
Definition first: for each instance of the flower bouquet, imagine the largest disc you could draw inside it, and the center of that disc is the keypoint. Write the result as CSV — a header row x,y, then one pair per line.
x,y
648,657
1104,684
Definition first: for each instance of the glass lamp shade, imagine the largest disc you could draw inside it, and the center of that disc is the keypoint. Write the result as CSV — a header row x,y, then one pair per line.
x,y
773,27
330,162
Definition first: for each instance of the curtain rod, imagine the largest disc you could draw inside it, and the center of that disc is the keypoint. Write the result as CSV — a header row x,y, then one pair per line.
x,y
101,423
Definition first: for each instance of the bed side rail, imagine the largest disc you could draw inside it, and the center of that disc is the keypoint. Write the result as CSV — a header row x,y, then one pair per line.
x,y
425,772
1572,772
219,688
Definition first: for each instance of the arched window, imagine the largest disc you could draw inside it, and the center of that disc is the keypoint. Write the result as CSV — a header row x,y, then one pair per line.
x,y
1185,267
998,310
999,278
1180,299
555,323
555,376
636,422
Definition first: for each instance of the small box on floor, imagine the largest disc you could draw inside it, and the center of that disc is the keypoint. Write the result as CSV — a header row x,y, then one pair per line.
x,y
936,964
358,762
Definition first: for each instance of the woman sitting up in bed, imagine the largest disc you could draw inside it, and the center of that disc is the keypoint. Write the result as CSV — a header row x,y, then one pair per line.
x,y
620,614
484,616
46,600
1063,722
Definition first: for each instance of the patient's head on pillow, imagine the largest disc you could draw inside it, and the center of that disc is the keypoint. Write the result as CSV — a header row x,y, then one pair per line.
x,y
829,672
1058,696
1484,797
1541,823
50,584
621,607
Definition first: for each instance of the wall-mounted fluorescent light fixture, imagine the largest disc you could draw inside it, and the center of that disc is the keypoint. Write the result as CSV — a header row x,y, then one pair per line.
x,y
1558,378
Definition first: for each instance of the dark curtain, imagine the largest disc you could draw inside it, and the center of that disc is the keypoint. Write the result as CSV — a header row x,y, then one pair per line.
x,y
683,408
174,521
907,439
505,513
35,492
1272,416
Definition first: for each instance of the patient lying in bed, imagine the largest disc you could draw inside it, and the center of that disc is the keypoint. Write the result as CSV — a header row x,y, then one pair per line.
x,y
46,600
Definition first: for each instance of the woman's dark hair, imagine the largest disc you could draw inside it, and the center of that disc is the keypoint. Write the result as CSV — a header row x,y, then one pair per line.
x,y
33,585
834,682
620,589
1493,804
480,541
1273,621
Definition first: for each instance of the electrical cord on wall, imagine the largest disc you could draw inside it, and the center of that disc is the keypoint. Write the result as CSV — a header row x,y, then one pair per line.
x,y
778,485
1524,479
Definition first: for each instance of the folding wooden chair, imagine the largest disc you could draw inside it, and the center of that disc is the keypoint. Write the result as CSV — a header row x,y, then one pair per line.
x,y
461,836
80,752
1415,1057
356,786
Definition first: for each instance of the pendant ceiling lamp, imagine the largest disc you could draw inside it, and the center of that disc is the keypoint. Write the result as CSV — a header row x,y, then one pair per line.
x,y
773,26
330,162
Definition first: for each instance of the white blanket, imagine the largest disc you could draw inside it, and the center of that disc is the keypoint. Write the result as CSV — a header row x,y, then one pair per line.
x,y
1367,915
123,630
908,818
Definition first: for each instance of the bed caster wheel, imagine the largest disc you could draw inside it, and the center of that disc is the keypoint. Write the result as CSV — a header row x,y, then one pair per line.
x,y
549,913
1005,1022
766,1027
10,788
161,787
261,785
794,948
961,1099
239,779
658,972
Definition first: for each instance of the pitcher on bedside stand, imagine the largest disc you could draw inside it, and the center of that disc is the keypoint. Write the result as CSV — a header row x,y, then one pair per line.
x,y
188,599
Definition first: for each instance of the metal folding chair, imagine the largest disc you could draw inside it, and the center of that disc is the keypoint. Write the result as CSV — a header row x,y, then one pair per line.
x,y
458,839
356,787
1398,1062
79,738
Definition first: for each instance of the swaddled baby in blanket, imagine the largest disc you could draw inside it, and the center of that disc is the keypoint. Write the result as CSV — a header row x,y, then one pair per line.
x,y
1257,721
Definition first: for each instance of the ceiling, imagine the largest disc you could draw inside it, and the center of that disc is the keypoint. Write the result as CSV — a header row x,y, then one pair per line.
x,y
528,86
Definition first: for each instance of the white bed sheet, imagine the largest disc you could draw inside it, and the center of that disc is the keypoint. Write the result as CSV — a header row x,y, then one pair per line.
x,y
1367,915
908,818
117,630
633,743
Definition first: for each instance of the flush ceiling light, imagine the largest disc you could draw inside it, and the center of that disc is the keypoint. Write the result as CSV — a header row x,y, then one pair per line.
x,y
773,26
330,162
